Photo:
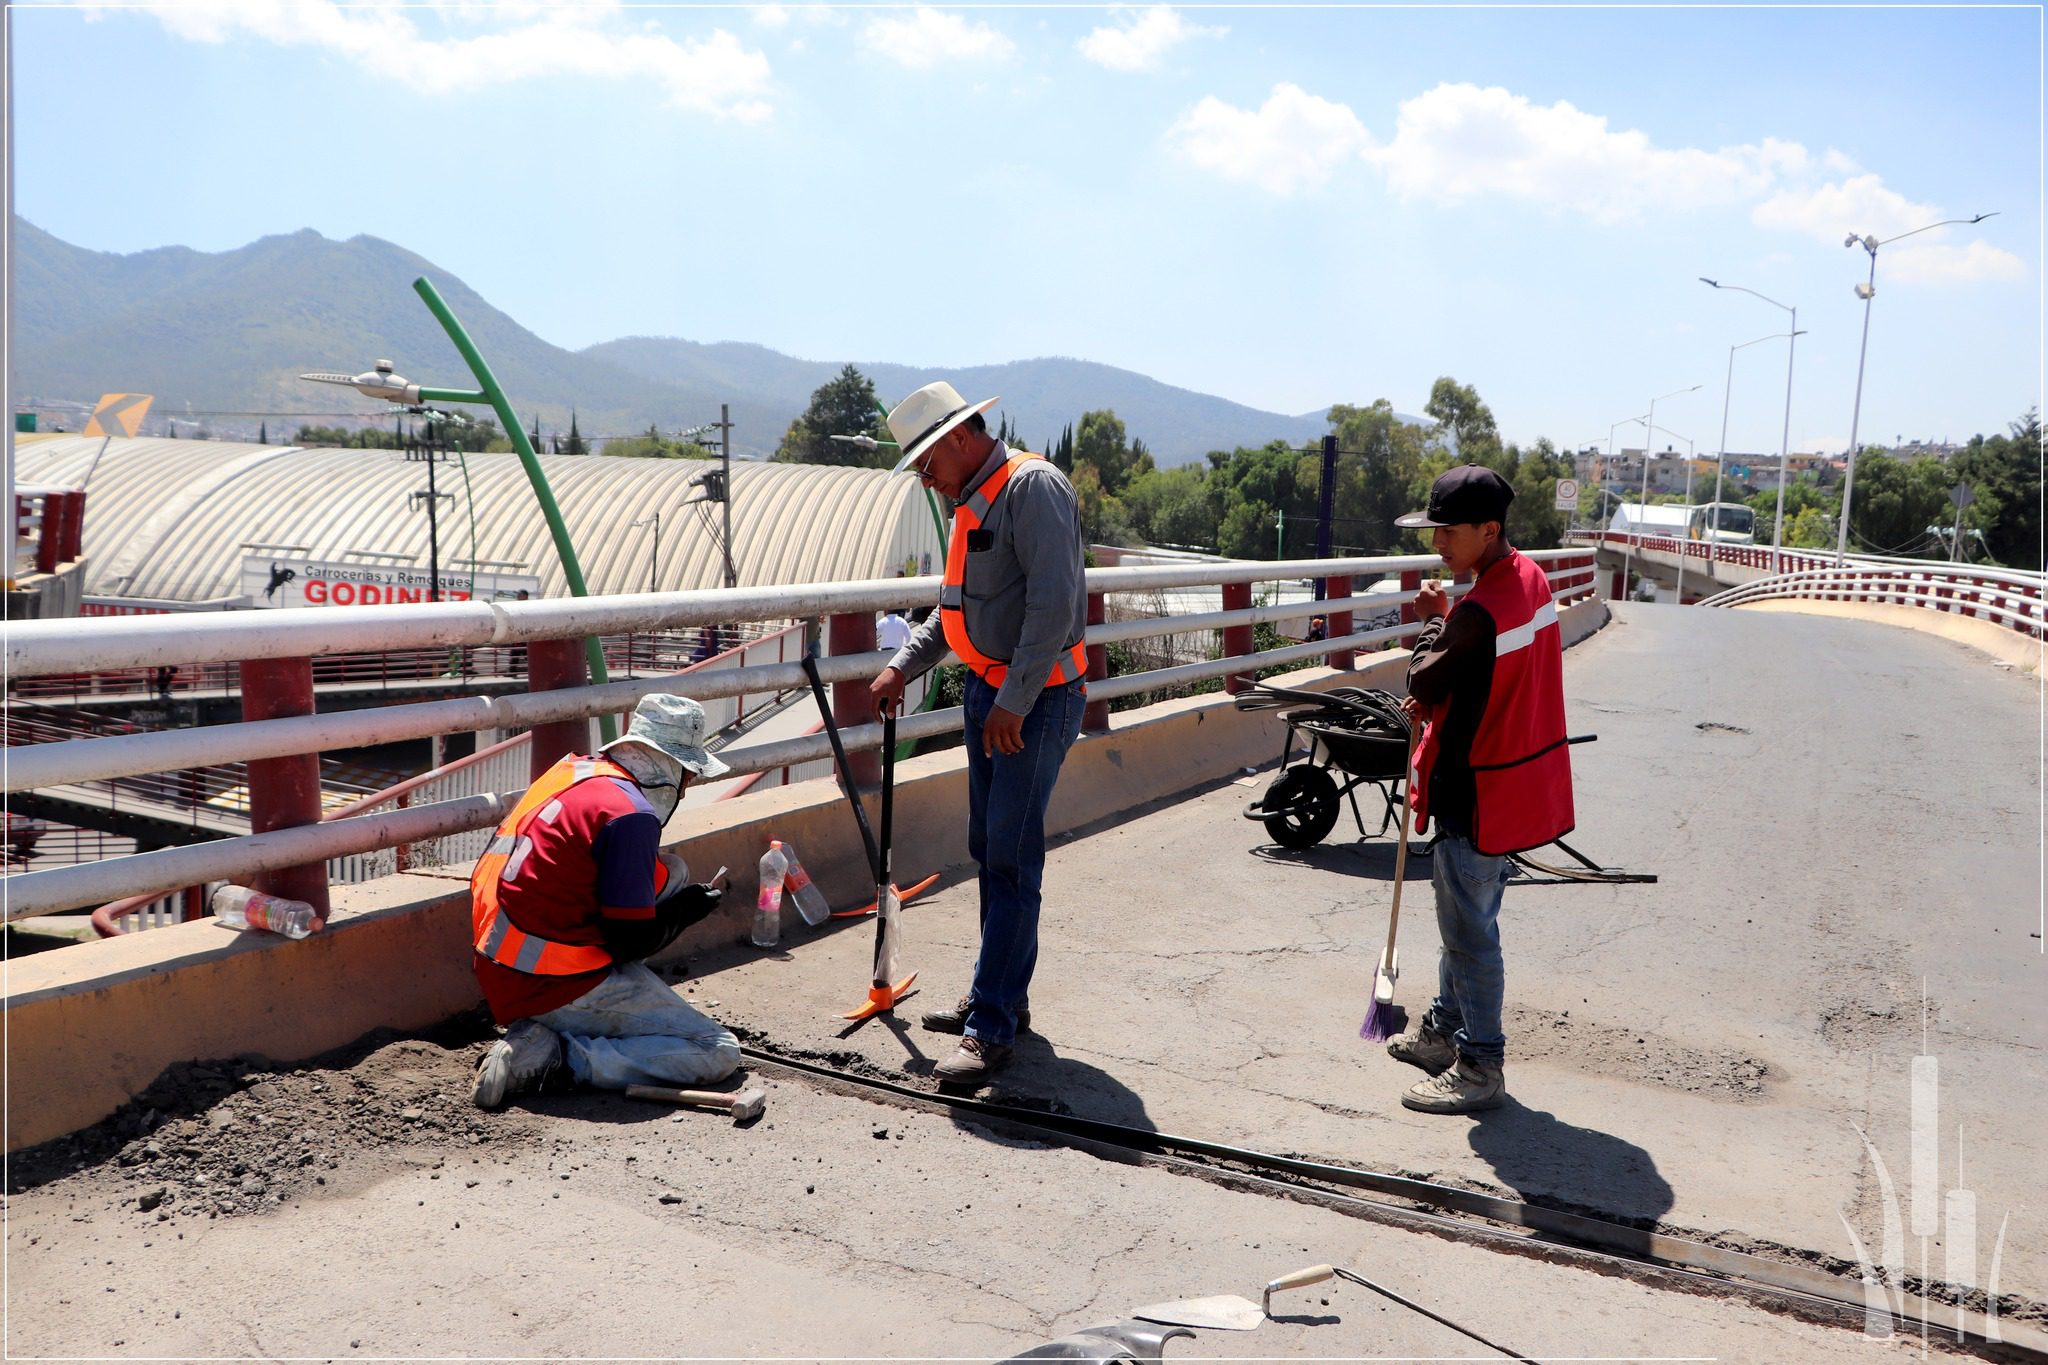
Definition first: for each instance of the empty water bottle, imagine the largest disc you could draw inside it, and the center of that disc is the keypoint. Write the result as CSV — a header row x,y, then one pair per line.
x,y
810,901
768,908
240,908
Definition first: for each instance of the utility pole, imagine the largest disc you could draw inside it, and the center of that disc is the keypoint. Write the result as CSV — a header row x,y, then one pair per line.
x,y
732,577
427,453
1326,502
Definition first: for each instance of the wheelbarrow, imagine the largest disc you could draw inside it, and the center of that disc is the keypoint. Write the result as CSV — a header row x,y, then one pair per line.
x,y
1356,737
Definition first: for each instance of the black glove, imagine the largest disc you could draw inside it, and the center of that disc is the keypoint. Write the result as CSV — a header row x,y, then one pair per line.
x,y
630,941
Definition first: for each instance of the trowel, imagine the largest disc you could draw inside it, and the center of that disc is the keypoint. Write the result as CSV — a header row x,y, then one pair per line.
x,y
1230,1312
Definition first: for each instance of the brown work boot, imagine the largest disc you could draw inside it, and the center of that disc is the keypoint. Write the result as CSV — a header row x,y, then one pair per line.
x,y
1423,1046
973,1061
954,1020
1466,1088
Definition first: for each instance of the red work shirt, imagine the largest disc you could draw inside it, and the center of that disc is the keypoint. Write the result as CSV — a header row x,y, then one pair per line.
x,y
593,862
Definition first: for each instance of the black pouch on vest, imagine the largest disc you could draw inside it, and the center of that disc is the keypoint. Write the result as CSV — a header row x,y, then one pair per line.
x,y
980,540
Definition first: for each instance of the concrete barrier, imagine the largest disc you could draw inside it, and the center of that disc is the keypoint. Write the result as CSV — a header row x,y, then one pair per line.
x,y
89,1027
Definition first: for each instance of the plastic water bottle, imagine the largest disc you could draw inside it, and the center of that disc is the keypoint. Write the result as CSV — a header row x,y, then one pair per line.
x,y
810,901
768,909
240,908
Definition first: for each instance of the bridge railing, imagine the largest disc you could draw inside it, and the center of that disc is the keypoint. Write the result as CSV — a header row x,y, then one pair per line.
x,y
2018,601
295,636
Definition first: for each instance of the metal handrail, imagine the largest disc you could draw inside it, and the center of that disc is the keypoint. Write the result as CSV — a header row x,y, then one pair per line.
x,y
1965,594
131,638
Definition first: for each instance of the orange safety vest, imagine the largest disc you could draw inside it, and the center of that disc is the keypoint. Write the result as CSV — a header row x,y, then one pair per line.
x,y
968,517
495,935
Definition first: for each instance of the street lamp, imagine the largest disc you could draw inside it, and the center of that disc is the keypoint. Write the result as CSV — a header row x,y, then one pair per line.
x,y
1867,291
1721,455
653,550
1792,336
1649,422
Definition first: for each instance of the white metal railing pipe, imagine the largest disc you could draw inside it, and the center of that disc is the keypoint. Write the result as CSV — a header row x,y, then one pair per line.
x,y
89,644
65,888
77,760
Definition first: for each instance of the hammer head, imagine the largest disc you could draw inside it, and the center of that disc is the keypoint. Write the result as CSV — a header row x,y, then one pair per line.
x,y
748,1104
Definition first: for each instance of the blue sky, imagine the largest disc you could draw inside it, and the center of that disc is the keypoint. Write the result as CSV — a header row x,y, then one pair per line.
x,y
1287,207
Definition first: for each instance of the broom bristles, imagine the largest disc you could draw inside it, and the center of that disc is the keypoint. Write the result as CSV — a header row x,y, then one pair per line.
x,y
1378,1025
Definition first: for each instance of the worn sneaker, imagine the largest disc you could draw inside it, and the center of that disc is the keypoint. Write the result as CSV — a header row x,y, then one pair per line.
x,y
973,1061
1464,1089
954,1020
1423,1046
525,1059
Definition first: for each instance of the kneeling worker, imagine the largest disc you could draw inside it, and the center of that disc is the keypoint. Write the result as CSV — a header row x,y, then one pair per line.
x,y
571,894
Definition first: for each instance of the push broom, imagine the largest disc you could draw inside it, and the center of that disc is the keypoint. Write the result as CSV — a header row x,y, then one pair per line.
x,y
1378,1024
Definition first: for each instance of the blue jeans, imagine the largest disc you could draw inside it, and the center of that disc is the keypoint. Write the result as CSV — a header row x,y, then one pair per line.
x,y
1006,799
632,1029
1470,978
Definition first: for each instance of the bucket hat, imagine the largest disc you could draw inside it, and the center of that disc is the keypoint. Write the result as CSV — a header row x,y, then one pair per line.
x,y
674,726
926,415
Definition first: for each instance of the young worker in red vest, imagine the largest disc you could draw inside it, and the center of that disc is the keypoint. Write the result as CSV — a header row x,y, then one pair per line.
x,y
571,894
1492,769
1013,609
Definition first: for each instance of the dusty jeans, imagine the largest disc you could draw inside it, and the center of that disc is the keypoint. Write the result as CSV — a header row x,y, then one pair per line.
x,y
632,1029
1470,977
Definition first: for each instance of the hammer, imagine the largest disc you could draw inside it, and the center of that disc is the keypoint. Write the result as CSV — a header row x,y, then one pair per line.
x,y
741,1104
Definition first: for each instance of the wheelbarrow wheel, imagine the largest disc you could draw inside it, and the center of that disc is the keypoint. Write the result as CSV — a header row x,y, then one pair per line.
x,y
1300,807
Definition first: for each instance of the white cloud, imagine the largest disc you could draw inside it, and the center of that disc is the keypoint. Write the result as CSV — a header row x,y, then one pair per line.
x,y
1864,205
928,37
1455,142
1138,44
714,75
1294,141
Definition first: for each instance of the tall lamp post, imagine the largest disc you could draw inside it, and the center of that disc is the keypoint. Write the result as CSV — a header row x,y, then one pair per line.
x,y
1649,421
1721,455
1792,335
1868,291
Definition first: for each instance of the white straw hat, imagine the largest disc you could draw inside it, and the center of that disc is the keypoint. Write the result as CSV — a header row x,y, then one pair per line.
x,y
671,725
927,415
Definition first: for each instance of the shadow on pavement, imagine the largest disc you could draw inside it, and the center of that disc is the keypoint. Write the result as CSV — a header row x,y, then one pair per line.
x,y
1367,859
1039,1078
1548,1161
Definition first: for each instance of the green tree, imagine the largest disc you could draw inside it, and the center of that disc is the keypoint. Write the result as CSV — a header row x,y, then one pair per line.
x,y
1172,507
573,443
1459,410
1812,529
1380,464
1895,502
1102,442
1247,531
1102,514
2004,474
842,406
1534,521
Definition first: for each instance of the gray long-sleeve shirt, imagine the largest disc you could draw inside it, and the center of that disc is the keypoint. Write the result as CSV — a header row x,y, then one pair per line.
x,y
1024,600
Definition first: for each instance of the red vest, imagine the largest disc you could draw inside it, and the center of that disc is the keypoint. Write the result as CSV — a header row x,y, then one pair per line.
x,y
493,932
968,518
1521,766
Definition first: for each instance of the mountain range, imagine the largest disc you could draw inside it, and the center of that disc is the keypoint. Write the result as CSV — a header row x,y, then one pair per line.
x,y
225,335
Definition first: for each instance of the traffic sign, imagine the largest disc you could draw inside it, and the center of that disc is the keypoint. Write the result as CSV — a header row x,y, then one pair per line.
x,y
1567,495
119,414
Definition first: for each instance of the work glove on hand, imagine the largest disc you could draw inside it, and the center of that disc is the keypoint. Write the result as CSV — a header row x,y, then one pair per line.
x,y
690,904
636,940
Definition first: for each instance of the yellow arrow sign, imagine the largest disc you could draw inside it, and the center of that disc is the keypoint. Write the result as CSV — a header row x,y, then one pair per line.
x,y
119,414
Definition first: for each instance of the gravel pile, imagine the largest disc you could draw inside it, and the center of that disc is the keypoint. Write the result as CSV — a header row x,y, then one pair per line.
x,y
224,1138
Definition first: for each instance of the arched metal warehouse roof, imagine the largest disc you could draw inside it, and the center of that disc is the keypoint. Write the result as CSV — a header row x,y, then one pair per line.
x,y
169,519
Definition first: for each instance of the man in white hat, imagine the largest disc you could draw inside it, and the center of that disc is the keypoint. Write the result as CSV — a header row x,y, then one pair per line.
x,y
570,896
1013,609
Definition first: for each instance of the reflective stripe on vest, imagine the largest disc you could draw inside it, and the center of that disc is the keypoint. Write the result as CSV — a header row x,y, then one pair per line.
x,y
968,516
494,933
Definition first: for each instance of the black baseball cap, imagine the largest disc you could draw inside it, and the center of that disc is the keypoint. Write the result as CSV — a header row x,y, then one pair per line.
x,y
1466,495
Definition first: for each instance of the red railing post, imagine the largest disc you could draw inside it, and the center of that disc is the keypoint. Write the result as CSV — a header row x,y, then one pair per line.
x,y
284,792
1095,715
853,632
47,538
74,537
1338,623
1237,640
553,664
194,902
1411,580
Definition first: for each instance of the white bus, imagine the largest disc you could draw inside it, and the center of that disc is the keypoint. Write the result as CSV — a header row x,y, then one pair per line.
x,y
1730,523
